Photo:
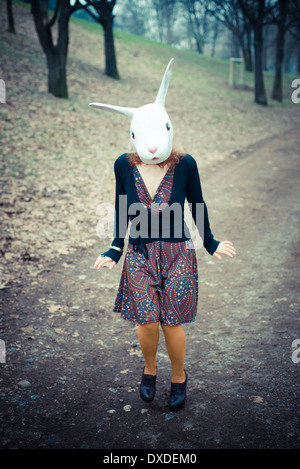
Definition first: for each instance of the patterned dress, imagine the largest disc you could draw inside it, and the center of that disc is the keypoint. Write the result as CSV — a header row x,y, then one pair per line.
x,y
164,287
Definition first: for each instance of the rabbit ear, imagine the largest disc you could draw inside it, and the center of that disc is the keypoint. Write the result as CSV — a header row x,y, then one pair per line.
x,y
161,95
127,111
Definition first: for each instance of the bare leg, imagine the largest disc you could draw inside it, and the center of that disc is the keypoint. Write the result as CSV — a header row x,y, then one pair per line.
x,y
176,343
148,335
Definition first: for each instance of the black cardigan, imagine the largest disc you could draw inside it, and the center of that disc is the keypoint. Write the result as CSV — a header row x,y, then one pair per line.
x,y
186,184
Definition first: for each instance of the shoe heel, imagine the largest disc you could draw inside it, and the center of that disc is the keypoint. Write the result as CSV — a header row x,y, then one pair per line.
x,y
177,397
147,387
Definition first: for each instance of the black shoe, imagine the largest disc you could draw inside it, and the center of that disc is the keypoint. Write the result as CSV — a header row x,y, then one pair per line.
x,y
147,387
178,394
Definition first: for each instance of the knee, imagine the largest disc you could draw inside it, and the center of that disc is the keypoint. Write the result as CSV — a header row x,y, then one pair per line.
x,y
172,330
149,328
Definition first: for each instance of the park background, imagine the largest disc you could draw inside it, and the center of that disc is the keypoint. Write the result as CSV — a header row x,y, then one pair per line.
x,y
72,367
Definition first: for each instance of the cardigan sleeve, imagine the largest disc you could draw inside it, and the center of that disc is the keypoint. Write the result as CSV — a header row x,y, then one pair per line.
x,y
121,216
194,196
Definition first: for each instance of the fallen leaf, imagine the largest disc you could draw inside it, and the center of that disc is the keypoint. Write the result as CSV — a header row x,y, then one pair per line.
x,y
53,308
27,329
278,300
257,399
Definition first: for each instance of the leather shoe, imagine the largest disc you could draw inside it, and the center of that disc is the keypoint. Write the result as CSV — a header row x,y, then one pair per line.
x,y
178,394
147,387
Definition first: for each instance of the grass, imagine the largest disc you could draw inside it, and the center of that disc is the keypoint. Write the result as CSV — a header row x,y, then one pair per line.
x,y
211,66
214,71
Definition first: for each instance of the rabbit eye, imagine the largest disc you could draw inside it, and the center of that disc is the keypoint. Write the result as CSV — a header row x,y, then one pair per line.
x,y
132,136
168,126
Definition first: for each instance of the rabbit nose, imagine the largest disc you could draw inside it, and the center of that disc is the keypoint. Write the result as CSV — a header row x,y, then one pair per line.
x,y
152,149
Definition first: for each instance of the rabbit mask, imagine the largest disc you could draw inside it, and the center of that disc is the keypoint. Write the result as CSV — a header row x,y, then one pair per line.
x,y
151,130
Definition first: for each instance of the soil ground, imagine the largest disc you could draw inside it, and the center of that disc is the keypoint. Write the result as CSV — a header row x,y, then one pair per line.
x,y
83,362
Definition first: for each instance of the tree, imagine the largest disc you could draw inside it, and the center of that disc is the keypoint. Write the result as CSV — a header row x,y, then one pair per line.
x,y
256,11
215,34
10,17
133,17
56,54
165,10
228,13
198,12
102,12
294,26
247,45
279,19
294,15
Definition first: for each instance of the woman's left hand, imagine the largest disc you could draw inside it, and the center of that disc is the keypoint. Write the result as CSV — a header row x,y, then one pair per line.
x,y
225,247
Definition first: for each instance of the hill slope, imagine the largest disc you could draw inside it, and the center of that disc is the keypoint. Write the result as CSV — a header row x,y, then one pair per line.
x,y
57,155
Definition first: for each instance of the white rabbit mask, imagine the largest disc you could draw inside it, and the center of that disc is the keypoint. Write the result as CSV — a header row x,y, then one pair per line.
x,y
151,130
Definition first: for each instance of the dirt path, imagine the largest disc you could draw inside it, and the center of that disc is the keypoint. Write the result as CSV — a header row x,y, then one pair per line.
x,y
83,362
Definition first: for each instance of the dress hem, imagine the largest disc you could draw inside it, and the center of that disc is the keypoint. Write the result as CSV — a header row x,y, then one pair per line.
x,y
150,322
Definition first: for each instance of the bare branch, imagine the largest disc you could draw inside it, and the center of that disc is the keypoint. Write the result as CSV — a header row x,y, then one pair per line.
x,y
54,17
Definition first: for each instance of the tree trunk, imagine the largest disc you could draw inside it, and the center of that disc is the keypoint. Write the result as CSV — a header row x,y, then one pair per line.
x,y
277,86
248,47
195,24
245,44
44,9
247,57
255,15
56,55
198,43
159,19
57,80
110,55
235,46
265,48
215,37
260,93
10,17
58,73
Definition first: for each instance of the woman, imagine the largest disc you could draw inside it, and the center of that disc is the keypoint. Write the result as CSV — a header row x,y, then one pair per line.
x,y
159,279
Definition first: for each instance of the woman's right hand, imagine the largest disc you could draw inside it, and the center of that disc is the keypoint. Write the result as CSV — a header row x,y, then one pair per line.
x,y
104,260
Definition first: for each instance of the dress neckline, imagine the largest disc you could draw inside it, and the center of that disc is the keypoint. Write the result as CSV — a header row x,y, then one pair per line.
x,y
158,187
